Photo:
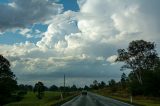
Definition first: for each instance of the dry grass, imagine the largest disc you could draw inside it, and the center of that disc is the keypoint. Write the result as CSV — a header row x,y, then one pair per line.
x,y
125,97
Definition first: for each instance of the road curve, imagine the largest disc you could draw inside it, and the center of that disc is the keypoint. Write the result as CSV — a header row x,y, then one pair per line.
x,y
94,100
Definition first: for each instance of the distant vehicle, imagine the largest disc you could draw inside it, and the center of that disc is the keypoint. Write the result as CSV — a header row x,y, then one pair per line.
x,y
84,92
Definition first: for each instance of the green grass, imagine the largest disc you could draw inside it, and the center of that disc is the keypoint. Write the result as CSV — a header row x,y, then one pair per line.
x,y
137,101
30,99
60,102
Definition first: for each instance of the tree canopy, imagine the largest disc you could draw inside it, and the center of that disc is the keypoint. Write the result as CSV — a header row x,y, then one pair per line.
x,y
39,88
8,83
139,56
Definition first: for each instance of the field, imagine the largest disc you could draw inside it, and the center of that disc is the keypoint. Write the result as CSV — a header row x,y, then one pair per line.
x,y
30,99
137,100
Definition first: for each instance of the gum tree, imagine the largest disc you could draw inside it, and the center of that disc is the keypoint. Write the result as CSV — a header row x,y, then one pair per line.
x,y
140,56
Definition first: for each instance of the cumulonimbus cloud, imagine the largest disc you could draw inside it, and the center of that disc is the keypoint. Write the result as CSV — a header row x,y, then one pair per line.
x,y
86,41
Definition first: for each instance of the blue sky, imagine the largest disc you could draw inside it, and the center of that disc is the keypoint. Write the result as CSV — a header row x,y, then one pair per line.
x,y
17,38
69,5
4,1
45,39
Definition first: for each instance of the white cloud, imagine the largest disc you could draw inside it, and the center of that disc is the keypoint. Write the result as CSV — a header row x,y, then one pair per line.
x,y
61,26
81,2
78,43
112,59
26,32
100,58
37,31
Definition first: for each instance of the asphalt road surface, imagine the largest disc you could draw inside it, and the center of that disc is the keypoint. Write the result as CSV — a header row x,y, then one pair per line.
x,y
92,99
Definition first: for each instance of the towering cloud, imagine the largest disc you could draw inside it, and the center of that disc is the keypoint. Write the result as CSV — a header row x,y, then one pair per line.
x,y
81,44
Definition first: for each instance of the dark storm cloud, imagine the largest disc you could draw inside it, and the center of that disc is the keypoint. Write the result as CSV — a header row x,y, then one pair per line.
x,y
74,69
80,73
20,13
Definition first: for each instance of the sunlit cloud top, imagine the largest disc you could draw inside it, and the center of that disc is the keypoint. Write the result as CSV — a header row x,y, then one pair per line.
x,y
45,39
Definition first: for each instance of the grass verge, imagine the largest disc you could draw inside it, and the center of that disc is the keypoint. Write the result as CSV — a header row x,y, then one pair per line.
x,y
137,100
50,99
60,102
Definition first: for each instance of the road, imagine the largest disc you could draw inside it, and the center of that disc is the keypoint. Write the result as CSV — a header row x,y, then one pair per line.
x,y
94,100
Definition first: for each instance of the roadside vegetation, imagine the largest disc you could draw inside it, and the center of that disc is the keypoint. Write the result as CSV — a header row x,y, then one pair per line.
x,y
50,99
12,94
140,87
123,96
40,95
31,100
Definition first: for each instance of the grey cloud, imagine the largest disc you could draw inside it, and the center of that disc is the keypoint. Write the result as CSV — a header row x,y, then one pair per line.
x,y
13,58
75,70
21,13
152,14
100,35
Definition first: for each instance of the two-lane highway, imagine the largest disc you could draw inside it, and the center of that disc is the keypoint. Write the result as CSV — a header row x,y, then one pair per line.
x,y
92,99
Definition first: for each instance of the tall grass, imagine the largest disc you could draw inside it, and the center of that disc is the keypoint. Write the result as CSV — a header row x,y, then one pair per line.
x,y
137,100
50,99
30,99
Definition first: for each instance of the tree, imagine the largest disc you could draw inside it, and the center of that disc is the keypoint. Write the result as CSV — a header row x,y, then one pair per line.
x,y
102,84
73,88
53,88
86,87
26,88
95,84
123,80
112,82
140,56
39,88
112,85
8,83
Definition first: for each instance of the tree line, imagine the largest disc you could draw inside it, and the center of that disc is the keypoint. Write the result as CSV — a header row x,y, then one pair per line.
x,y
140,57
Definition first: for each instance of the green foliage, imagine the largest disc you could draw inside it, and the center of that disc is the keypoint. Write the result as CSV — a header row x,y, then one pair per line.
x,y
151,84
95,84
39,88
73,88
86,87
50,99
123,80
8,83
53,88
140,56
30,99
102,84
23,87
112,84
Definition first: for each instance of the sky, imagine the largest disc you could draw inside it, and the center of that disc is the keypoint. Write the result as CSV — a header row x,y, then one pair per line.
x,y
45,39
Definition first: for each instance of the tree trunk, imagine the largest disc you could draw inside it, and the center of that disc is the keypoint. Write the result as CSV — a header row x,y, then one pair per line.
x,y
139,77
